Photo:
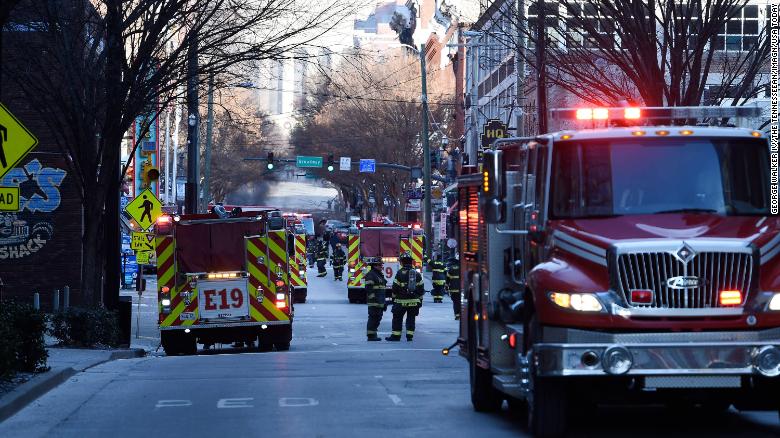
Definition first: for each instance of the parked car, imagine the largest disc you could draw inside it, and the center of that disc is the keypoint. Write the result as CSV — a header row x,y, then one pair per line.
x,y
332,224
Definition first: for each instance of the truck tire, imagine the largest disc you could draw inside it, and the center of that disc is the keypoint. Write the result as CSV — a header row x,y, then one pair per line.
x,y
484,398
171,343
548,399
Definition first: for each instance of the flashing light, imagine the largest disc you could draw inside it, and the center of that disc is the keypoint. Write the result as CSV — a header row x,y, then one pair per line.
x,y
281,304
632,113
637,133
686,132
279,283
730,298
756,134
485,181
476,317
641,296
163,220
565,136
165,289
165,302
513,340
662,133
584,114
416,226
600,113
280,297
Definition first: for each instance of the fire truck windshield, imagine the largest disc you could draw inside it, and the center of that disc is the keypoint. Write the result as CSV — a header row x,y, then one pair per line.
x,y
627,176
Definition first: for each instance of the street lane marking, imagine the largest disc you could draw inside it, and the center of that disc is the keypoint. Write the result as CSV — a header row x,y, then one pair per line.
x,y
377,377
396,400
233,403
172,403
297,402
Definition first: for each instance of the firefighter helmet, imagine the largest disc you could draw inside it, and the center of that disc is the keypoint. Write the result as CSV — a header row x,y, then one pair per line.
x,y
406,258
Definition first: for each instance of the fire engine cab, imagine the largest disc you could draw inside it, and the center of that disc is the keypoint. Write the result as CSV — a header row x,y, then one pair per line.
x,y
222,278
633,262
387,241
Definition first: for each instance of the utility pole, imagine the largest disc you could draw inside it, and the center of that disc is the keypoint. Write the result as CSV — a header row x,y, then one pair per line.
x,y
541,69
165,192
209,131
426,156
191,189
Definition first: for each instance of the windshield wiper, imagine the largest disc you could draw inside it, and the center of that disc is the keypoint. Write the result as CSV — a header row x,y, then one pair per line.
x,y
688,210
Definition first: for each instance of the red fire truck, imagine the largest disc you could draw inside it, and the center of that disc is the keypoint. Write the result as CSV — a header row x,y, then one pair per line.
x,y
377,239
632,263
222,278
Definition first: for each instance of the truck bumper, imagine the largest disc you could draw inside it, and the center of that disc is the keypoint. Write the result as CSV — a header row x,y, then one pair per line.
x,y
712,355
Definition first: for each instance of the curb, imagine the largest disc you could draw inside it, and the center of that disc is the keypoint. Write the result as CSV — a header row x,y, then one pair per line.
x,y
39,385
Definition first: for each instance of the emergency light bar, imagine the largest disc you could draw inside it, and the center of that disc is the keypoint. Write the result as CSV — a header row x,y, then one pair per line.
x,y
653,113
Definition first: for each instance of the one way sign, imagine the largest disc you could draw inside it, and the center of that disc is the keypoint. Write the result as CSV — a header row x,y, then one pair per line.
x,y
142,241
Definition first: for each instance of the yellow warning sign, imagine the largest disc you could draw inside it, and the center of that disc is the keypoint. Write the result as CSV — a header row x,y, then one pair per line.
x,y
145,209
142,241
15,141
143,257
9,198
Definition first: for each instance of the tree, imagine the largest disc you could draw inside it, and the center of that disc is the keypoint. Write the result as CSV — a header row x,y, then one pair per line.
x,y
370,109
651,52
103,63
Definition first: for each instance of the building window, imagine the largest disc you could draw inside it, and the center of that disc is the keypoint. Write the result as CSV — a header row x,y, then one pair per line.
x,y
741,32
551,22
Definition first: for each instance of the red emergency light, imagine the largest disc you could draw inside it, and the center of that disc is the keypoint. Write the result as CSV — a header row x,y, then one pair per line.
x,y
730,298
641,296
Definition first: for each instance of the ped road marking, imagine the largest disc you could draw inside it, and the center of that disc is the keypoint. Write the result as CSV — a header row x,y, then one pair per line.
x,y
172,403
297,402
233,403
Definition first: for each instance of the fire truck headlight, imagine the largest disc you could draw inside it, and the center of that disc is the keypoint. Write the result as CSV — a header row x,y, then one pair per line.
x,y
166,302
280,297
774,304
578,302
352,270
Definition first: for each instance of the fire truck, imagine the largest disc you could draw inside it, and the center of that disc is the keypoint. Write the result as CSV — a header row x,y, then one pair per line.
x,y
633,260
296,252
222,278
377,239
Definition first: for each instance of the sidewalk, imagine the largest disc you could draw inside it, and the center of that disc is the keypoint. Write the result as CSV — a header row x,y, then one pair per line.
x,y
64,363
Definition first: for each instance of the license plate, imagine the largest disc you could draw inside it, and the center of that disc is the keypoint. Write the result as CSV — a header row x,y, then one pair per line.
x,y
223,299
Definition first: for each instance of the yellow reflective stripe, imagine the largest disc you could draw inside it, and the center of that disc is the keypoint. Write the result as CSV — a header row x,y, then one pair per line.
x,y
406,302
395,333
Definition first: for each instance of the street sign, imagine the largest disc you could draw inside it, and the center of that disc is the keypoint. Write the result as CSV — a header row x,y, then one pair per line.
x,y
413,205
345,163
492,130
9,198
304,161
143,257
142,241
145,209
367,165
15,141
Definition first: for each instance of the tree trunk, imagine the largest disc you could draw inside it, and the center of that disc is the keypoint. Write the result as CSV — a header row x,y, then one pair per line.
x,y
91,262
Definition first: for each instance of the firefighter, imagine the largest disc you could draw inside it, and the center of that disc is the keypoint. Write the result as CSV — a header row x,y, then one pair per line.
x,y
453,285
438,279
322,257
407,298
375,296
338,259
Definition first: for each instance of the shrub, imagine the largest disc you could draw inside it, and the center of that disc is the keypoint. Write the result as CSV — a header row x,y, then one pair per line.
x,y
86,327
22,346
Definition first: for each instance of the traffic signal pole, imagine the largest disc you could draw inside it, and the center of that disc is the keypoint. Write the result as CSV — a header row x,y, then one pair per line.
x,y
426,156
193,167
207,153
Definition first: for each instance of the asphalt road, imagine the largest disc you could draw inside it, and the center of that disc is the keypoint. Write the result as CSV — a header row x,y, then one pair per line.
x,y
331,383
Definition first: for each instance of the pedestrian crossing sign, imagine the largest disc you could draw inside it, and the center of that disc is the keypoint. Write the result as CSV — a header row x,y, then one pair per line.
x,y
142,241
145,209
15,141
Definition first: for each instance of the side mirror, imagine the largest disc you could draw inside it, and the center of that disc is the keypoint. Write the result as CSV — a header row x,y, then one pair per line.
x,y
493,193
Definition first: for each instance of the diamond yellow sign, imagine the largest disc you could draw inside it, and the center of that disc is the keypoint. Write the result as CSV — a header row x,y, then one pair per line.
x,y
145,209
15,141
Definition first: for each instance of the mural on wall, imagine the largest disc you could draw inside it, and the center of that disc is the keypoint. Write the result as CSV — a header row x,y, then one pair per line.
x,y
25,232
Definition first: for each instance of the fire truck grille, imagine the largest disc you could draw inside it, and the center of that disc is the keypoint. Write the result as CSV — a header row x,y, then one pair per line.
x,y
716,271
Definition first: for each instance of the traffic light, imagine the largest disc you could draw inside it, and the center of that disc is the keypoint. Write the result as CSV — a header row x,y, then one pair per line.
x,y
149,174
331,163
270,161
